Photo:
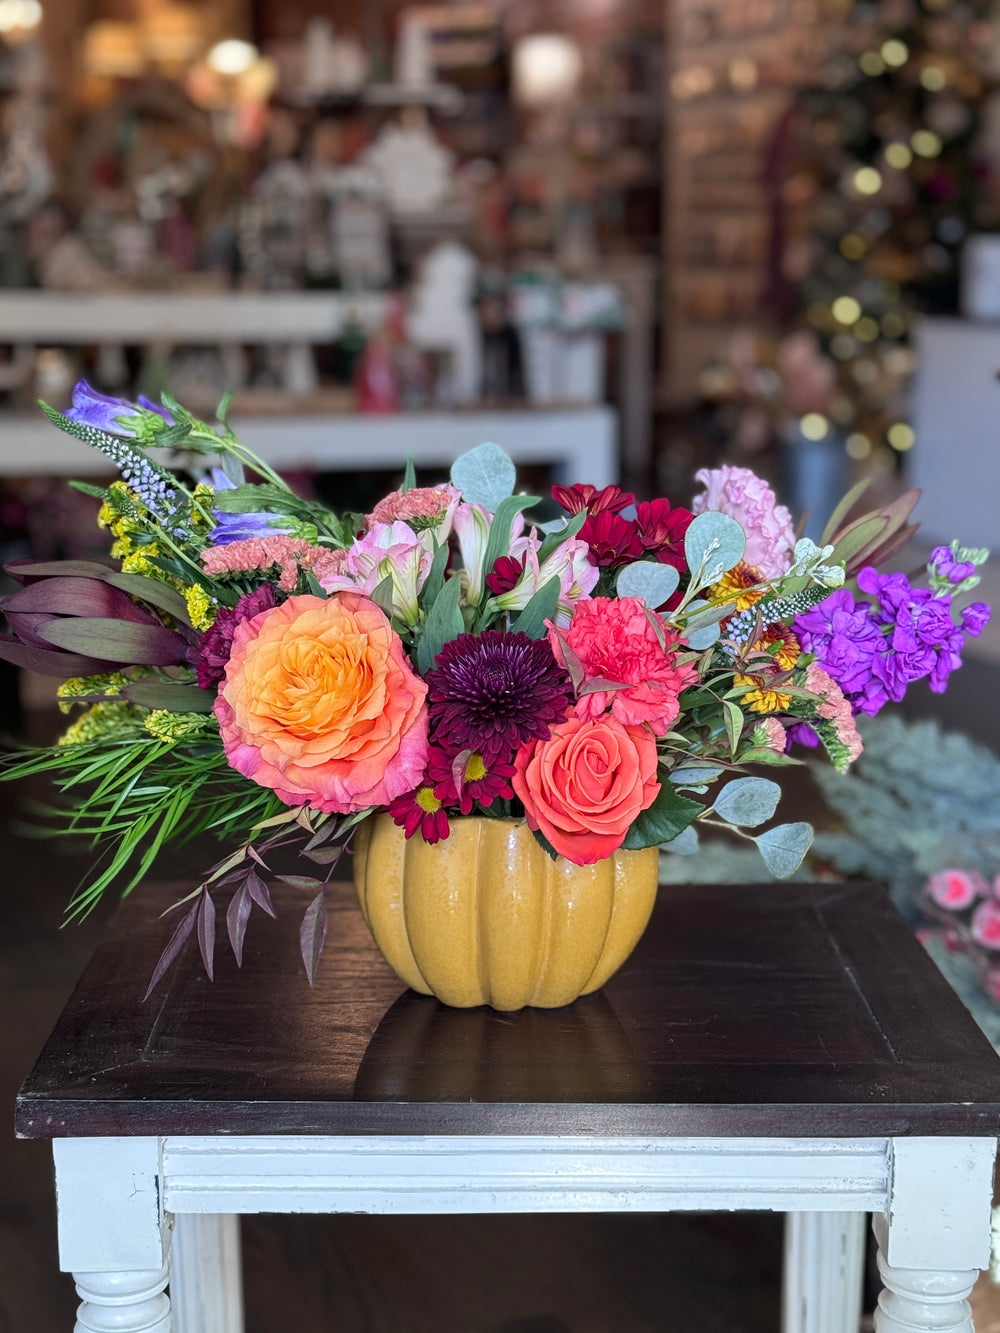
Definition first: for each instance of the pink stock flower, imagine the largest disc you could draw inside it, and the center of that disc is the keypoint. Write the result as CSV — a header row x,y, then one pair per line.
x,y
742,495
615,644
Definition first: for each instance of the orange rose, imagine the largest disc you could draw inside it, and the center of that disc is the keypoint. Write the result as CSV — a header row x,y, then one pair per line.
x,y
583,786
321,704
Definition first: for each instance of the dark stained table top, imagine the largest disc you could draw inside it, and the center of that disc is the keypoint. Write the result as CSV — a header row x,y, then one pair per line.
x,y
776,1009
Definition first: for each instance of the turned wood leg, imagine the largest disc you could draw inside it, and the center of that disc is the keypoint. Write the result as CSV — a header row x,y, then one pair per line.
x,y
824,1262
113,1236
935,1233
123,1302
206,1279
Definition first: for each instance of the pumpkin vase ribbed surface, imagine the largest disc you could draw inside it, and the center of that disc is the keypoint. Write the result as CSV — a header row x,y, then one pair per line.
x,y
487,917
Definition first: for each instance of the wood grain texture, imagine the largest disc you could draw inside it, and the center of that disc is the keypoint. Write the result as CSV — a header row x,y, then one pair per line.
x,y
764,1010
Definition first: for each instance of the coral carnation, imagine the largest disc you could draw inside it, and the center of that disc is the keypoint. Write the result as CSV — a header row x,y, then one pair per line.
x,y
614,642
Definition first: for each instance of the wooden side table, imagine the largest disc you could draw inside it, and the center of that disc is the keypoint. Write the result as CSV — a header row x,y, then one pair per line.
x,y
777,1047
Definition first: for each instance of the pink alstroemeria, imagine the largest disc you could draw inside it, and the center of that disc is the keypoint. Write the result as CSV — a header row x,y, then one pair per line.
x,y
391,550
568,563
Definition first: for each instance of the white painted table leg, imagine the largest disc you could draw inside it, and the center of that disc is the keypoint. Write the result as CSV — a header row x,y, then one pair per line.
x,y
824,1264
206,1278
935,1233
112,1234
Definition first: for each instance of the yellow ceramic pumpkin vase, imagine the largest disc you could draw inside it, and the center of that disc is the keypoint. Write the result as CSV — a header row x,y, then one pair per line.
x,y
487,917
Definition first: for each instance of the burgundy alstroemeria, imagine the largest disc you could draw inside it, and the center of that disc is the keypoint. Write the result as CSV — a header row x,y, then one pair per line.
x,y
71,620
661,529
611,499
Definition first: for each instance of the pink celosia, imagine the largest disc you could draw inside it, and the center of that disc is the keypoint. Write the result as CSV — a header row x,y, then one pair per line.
x,y
387,550
259,554
837,709
613,642
742,495
422,507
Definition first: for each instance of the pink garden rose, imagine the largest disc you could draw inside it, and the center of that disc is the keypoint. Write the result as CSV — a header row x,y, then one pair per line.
x,y
614,641
742,495
584,786
320,703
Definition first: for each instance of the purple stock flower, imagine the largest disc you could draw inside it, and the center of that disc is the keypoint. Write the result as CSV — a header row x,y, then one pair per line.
x,y
105,412
947,567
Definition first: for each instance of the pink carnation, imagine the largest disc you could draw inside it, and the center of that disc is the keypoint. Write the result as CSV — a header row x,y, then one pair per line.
x,y
742,495
260,554
836,708
422,507
614,642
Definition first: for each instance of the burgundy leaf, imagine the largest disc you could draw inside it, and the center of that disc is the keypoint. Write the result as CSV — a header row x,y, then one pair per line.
x,y
174,946
325,856
312,936
84,598
26,570
237,917
51,662
302,882
260,893
206,932
118,640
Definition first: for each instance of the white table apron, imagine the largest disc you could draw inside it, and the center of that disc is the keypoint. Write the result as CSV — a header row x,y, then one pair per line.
x,y
119,1200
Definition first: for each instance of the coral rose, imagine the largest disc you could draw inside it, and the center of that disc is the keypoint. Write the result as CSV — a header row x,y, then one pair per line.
x,y
320,703
583,787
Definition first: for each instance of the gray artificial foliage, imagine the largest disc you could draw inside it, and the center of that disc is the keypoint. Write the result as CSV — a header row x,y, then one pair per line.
x,y
918,800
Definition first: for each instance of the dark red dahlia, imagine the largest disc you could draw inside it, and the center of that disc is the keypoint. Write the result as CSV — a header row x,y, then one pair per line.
x,y
217,642
661,530
576,498
612,539
491,692
467,778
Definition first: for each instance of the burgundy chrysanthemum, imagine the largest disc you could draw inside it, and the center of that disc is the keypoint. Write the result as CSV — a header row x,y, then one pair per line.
x,y
467,778
420,810
217,642
575,498
612,540
661,530
491,692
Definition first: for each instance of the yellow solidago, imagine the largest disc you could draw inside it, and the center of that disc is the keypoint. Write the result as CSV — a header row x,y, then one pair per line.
x,y
85,687
200,608
176,727
761,699
112,721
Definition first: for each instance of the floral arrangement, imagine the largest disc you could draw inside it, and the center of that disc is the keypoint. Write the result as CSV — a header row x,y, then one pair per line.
x,y
252,664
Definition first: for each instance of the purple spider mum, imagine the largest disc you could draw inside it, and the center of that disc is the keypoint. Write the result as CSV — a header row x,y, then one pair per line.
x,y
491,692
